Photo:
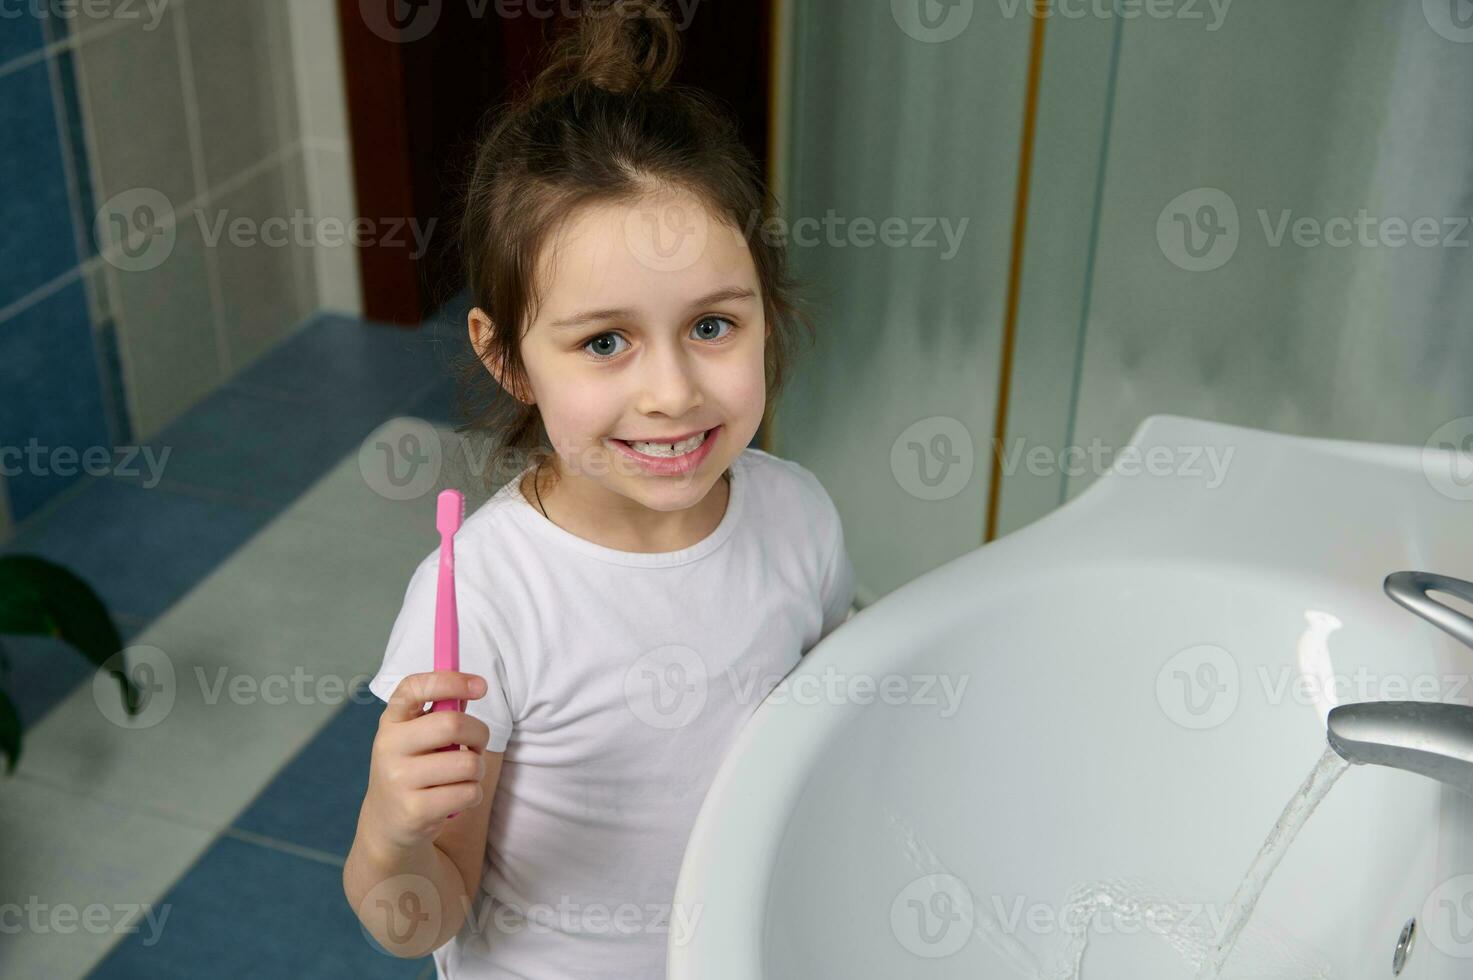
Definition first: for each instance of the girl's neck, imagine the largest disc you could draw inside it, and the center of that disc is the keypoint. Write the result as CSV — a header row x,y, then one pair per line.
x,y
614,521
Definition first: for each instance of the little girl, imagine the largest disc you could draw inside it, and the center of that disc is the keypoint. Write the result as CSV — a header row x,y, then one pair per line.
x,y
631,595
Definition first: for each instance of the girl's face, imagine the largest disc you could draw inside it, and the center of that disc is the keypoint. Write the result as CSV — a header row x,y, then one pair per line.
x,y
650,328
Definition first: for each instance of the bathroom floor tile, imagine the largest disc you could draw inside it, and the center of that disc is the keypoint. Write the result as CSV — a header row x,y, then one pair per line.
x,y
257,448
336,359
245,910
363,495
65,851
140,548
314,800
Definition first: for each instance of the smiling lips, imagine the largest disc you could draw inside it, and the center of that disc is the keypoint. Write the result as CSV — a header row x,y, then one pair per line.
x,y
664,458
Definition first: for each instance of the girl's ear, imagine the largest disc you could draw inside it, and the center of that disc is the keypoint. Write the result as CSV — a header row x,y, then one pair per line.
x,y
481,332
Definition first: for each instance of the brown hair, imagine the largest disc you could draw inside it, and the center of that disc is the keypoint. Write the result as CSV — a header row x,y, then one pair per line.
x,y
601,123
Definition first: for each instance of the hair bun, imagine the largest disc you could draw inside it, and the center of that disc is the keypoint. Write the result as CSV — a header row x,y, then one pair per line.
x,y
619,46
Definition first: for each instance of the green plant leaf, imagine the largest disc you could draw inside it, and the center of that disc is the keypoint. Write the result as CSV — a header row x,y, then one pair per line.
x,y
9,732
22,605
43,598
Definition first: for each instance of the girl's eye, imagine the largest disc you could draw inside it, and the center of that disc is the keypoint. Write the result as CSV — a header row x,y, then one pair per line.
x,y
714,319
600,347
602,354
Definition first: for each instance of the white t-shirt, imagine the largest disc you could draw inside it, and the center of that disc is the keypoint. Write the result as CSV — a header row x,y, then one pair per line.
x,y
617,680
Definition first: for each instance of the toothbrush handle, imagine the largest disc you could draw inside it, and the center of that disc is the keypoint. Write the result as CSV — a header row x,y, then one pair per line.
x,y
447,633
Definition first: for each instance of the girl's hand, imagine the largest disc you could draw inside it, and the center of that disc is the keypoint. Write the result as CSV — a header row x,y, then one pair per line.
x,y
412,788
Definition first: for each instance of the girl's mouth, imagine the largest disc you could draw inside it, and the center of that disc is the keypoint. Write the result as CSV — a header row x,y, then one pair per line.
x,y
665,459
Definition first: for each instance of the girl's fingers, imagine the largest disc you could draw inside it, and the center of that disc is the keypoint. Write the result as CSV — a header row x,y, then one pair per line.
x,y
434,729
452,798
407,701
447,768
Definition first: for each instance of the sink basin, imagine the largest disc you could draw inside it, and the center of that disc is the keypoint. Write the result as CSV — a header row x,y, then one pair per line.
x,y
1071,742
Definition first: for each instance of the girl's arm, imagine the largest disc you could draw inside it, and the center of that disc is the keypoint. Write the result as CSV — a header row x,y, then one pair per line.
x,y
389,887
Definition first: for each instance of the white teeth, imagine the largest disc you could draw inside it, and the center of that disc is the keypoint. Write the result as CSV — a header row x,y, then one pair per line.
x,y
669,448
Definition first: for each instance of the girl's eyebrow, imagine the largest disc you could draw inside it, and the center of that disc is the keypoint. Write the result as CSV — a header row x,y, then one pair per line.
x,y
726,294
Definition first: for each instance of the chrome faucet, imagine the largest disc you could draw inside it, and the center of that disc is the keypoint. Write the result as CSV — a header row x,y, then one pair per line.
x,y
1430,738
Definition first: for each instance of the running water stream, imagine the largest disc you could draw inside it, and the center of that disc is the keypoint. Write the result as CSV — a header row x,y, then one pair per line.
x,y
1136,901
1300,806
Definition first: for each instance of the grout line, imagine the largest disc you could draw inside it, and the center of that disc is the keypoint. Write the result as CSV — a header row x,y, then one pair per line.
x,y
225,187
30,58
201,188
18,306
277,844
74,39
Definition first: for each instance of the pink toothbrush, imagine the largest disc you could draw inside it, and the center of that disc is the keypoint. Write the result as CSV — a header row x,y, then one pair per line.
x,y
449,511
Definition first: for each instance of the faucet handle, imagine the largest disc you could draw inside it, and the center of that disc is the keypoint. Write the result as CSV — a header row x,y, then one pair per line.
x,y
1409,590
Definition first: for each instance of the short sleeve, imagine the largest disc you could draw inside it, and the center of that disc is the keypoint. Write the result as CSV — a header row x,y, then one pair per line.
x,y
838,582
411,650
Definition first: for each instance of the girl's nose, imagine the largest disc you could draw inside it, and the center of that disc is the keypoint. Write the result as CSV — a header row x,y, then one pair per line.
x,y
668,383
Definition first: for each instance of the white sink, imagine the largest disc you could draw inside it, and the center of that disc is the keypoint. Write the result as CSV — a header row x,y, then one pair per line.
x,y
1146,677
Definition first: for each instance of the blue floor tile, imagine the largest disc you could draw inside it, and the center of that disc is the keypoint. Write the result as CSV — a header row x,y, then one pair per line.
x,y
139,548
244,910
341,361
260,449
314,800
